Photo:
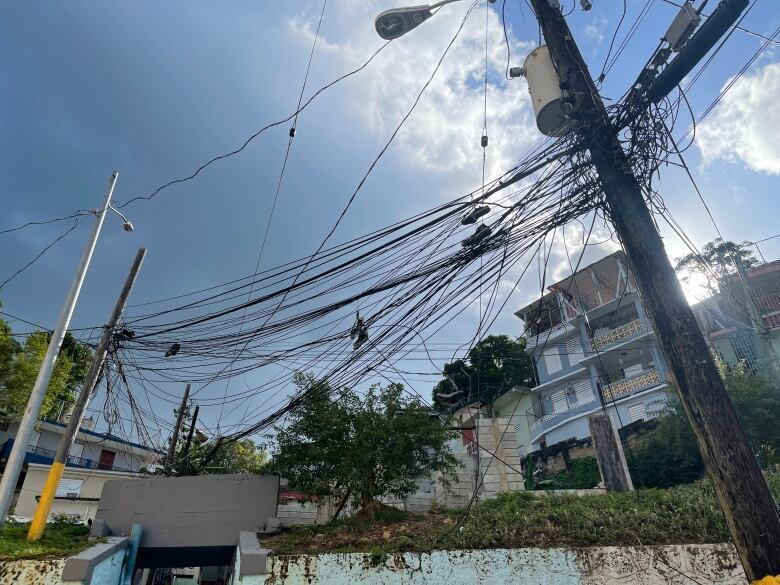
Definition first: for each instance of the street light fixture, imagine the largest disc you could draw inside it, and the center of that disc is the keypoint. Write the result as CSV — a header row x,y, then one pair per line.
x,y
127,225
396,22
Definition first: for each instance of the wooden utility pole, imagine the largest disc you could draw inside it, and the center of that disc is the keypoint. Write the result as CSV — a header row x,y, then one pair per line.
x,y
61,456
176,430
750,511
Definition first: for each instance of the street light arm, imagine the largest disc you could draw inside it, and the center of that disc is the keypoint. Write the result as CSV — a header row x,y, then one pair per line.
x,y
442,3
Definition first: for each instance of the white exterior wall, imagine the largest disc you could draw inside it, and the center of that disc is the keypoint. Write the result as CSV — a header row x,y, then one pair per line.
x,y
91,487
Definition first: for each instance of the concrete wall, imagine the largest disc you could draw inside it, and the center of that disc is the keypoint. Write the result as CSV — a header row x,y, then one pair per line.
x,y
200,511
100,564
47,572
667,565
299,513
92,487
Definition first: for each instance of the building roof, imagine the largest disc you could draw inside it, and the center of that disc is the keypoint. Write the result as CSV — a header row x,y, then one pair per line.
x,y
561,283
105,437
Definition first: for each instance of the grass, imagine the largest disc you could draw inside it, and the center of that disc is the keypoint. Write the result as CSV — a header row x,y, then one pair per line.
x,y
58,541
683,514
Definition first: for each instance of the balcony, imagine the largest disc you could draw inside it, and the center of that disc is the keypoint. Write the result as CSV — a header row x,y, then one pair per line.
x,y
616,390
553,419
546,336
43,456
616,335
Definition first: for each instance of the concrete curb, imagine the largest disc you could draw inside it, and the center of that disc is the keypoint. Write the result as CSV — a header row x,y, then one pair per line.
x,y
80,567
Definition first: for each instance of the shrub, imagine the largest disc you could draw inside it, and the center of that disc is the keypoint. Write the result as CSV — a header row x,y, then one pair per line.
x,y
582,474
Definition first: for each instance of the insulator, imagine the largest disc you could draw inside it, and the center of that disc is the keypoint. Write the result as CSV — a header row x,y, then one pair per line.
x,y
484,141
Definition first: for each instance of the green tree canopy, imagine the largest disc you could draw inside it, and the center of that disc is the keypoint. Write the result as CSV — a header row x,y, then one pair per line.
x,y
670,454
715,263
493,366
244,456
19,365
338,443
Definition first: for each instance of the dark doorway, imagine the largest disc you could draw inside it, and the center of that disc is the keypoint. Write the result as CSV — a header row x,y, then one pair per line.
x,y
106,459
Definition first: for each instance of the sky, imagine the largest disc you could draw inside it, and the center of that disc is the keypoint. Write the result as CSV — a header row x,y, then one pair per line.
x,y
153,90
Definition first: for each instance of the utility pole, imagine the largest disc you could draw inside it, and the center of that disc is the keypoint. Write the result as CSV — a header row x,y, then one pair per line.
x,y
769,362
19,450
750,511
38,523
609,453
176,431
187,445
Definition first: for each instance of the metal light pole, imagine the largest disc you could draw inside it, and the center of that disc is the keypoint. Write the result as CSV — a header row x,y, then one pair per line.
x,y
16,459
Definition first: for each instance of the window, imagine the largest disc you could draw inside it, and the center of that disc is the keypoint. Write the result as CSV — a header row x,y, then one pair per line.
x,y
552,360
584,391
574,350
559,401
637,412
76,449
69,488
745,349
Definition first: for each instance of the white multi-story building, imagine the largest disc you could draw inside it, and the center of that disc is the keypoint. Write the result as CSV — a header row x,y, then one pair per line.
x,y
592,345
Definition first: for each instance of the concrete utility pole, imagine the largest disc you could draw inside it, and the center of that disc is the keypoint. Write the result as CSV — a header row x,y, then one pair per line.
x,y
38,523
176,431
13,467
750,511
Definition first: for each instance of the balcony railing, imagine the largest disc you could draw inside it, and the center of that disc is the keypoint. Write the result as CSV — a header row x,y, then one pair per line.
x,y
546,421
532,341
73,461
768,302
615,335
647,379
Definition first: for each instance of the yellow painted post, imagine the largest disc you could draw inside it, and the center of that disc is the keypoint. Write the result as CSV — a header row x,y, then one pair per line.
x,y
61,456
44,505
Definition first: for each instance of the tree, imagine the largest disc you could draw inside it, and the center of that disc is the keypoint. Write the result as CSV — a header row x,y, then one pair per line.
x,y
670,455
338,443
716,263
493,366
19,366
243,456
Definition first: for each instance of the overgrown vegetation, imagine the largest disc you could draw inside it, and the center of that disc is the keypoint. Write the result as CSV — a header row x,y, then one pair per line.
x,y
493,366
61,539
581,474
684,514
339,444
670,456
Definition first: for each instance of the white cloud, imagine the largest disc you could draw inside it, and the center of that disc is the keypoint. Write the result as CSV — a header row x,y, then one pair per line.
x,y
443,133
594,30
743,126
